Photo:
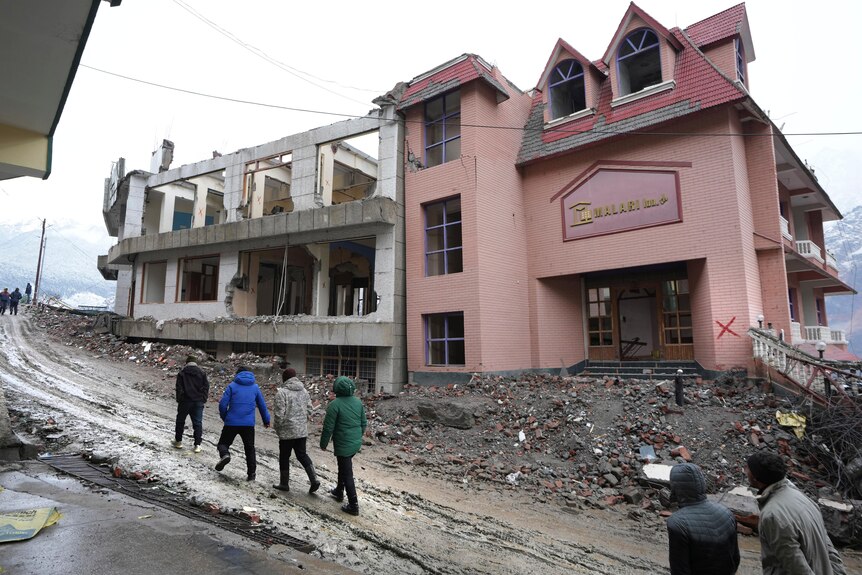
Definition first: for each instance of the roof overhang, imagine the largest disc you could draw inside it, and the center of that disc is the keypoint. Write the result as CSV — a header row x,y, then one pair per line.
x,y
40,50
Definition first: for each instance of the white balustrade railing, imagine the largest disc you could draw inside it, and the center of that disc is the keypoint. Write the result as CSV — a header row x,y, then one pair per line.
x,y
837,336
809,249
785,228
793,363
796,332
818,333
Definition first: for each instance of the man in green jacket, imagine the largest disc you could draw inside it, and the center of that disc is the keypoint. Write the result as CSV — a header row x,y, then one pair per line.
x,y
345,424
793,539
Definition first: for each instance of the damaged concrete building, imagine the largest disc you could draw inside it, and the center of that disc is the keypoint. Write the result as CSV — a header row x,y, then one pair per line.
x,y
292,248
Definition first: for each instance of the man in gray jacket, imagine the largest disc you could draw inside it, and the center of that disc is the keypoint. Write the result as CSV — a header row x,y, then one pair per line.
x,y
290,416
793,539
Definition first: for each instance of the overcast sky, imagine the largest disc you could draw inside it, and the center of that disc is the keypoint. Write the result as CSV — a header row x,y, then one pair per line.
x,y
337,56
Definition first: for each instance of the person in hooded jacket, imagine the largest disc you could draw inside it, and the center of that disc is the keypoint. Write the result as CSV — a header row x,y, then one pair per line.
x,y
236,410
345,425
290,415
5,299
701,534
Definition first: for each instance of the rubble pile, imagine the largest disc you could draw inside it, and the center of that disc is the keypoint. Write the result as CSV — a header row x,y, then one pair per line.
x,y
581,442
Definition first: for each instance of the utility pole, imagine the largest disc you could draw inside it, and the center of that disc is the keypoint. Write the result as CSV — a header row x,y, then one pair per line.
x,y
39,263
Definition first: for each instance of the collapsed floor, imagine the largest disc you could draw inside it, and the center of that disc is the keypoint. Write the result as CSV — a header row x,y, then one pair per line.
x,y
576,441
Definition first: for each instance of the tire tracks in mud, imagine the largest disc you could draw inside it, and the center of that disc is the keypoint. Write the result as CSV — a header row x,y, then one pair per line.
x,y
399,531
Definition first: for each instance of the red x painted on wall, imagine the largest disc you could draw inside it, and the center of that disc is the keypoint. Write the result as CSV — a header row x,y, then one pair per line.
x,y
726,327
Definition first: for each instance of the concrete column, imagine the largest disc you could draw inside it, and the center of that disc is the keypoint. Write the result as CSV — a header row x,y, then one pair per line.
x,y
233,186
134,207
166,217
256,195
199,209
320,288
325,173
303,181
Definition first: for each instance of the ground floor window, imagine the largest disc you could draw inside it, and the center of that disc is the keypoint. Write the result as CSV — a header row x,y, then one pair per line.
x,y
357,362
600,316
677,313
198,278
444,339
153,286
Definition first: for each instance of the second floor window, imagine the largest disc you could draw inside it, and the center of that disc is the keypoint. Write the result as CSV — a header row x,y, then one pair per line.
x,y
566,86
443,129
740,61
638,61
443,251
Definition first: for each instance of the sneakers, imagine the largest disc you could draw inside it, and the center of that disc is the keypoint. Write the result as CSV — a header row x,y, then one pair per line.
x,y
177,444
225,459
197,448
351,508
336,495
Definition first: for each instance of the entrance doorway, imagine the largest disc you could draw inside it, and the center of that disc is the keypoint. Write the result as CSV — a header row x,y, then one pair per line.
x,y
640,319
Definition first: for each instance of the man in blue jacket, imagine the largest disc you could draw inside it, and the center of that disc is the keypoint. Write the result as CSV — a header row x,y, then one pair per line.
x,y
236,410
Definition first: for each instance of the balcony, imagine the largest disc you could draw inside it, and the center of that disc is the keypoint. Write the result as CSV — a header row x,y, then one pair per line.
x,y
830,260
785,228
809,250
813,334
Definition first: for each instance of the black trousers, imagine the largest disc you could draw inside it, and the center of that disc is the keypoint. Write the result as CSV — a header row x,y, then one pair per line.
x,y
288,446
195,410
13,307
345,478
246,433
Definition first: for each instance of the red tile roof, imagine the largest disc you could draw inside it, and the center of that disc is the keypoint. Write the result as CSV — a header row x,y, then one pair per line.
x,y
717,27
451,75
699,85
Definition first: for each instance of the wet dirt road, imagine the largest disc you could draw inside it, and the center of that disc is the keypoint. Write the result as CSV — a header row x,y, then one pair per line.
x,y
409,523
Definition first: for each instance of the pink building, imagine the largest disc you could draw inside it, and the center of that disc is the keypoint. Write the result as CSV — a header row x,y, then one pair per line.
x,y
638,207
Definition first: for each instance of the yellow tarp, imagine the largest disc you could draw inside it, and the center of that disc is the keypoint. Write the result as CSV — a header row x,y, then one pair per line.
x,y
794,420
21,525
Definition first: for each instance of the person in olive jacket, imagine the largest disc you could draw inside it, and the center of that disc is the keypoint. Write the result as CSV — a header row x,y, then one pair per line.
x,y
345,424
236,410
702,534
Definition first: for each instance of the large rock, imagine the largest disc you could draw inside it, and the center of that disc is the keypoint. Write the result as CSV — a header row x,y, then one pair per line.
x,y
446,413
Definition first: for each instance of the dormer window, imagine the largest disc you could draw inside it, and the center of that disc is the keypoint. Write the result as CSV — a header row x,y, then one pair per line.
x,y
638,61
740,61
566,89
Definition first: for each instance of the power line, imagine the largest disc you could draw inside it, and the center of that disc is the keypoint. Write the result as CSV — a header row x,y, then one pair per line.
x,y
464,125
297,73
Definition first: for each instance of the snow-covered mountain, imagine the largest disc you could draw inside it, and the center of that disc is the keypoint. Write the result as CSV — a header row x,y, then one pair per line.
x,y
844,239
69,269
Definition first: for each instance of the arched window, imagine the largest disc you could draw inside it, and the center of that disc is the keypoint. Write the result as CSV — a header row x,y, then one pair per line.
x,y
566,86
638,61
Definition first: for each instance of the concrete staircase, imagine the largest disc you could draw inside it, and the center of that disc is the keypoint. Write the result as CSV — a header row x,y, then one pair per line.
x,y
655,370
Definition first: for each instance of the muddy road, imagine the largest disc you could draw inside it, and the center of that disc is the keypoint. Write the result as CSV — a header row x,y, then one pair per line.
x,y
408,523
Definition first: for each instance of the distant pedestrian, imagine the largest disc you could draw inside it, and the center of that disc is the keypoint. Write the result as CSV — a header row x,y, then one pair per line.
x,y
290,415
14,298
345,424
5,300
27,292
193,390
236,410
702,534
793,538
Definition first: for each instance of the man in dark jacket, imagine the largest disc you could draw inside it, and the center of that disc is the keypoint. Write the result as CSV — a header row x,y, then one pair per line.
x,y
345,424
702,534
14,298
236,409
793,539
193,390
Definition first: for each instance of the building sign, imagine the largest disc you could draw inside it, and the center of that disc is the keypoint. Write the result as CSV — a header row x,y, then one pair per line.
x,y
612,201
